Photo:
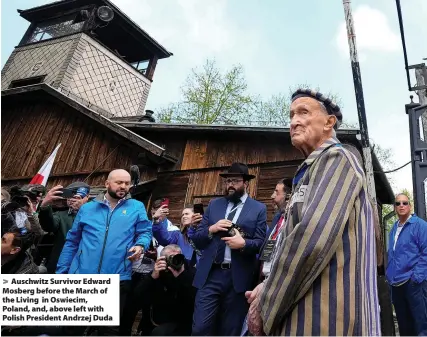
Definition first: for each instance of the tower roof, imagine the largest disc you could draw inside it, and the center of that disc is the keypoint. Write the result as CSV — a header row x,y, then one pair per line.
x,y
121,34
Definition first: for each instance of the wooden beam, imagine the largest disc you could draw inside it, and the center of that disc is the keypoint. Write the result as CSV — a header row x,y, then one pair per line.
x,y
151,67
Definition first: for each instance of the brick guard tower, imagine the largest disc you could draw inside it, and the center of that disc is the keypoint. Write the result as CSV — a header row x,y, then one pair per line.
x,y
90,51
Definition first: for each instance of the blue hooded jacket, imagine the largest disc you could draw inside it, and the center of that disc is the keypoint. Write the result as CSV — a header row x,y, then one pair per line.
x,y
99,241
165,237
409,259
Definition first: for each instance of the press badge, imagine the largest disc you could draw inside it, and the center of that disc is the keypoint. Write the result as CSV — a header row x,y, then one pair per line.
x,y
268,250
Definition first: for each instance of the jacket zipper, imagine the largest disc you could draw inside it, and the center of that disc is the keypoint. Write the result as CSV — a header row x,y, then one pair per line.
x,y
110,215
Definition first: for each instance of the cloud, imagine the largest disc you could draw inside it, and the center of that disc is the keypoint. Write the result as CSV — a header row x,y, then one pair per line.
x,y
373,33
193,31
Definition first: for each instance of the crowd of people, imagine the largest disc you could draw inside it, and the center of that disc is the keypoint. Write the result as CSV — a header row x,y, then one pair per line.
x,y
223,270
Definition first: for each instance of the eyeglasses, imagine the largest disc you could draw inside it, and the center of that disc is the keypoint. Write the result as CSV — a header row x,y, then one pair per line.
x,y
405,203
233,181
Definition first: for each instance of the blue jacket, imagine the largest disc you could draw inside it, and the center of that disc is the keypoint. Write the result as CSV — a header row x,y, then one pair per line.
x,y
409,259
165,237
253,221
99,241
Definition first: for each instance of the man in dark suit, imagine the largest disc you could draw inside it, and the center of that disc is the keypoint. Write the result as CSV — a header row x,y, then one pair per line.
x,y
228,262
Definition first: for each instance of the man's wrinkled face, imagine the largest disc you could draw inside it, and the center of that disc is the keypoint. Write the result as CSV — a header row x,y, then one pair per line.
x,y
402,205
279,197
118,186
186,216
308,121
7,247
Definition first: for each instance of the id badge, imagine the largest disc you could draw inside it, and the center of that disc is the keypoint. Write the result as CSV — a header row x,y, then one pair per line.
x,y
267,252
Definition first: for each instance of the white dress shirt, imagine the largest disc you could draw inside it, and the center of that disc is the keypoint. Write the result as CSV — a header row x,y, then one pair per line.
x,y
227,254
399,229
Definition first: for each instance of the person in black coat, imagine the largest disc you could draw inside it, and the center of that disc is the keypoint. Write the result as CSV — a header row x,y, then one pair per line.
x,y
172,294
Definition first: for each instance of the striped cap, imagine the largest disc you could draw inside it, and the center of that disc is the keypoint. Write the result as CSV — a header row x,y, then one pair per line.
x,y
331,106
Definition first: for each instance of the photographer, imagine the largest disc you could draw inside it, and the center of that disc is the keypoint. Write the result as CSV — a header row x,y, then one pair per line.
x,y
172,294
15,255
18,210
59,223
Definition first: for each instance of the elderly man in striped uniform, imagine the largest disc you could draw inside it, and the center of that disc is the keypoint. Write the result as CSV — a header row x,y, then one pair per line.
x,y
323,276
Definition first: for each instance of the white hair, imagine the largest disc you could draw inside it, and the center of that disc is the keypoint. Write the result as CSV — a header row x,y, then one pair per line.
x,y
171,248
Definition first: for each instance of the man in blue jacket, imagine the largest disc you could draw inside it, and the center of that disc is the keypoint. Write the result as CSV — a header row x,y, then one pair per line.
x,y
108,234
228,262
407,269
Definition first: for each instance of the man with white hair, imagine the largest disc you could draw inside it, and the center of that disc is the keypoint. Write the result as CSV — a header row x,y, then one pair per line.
x,y
323,274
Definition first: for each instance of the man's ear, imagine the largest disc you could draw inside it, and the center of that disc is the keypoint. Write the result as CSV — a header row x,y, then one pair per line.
x,y
330,122
15,250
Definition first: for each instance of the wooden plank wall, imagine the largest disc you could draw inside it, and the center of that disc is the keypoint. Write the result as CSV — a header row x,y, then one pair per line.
x,y
189,187
268,178
205,153
173,186
30,132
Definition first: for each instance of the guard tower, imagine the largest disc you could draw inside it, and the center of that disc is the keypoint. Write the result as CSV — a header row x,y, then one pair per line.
x,y
90,51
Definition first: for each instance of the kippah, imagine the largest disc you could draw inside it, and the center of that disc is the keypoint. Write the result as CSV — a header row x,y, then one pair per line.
x,y
331,106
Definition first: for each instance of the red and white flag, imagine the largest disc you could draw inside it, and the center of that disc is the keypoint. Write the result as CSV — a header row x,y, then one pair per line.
x,y
41,177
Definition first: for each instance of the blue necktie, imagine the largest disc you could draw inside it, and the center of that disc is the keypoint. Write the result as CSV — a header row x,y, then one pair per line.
x,y
220,252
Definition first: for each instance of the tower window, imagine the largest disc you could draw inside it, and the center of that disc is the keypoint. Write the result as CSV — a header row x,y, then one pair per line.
x,y
50,29
26,81
141,66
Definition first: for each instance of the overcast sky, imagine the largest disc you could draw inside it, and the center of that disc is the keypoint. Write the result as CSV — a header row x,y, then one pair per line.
x,y
281,43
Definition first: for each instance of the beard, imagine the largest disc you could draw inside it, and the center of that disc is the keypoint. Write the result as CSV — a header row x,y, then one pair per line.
x,y
235,195
114,194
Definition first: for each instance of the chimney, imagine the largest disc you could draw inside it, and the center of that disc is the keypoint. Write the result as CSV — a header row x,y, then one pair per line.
x,y
149,113
148,117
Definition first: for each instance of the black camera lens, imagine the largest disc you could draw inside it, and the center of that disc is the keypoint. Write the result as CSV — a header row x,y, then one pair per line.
x,y
176,261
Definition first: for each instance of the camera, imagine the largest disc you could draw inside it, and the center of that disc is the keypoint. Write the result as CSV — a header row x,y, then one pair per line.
x,y
175,261
32,191
232,230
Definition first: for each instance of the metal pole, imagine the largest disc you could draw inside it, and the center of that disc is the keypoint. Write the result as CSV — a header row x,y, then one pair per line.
x,y
357,79
402,36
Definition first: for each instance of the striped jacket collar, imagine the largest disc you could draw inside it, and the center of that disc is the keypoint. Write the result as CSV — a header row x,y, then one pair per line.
x,y
316,153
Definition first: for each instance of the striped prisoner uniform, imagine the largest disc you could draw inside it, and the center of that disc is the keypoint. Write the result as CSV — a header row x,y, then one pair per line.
x,y
323,277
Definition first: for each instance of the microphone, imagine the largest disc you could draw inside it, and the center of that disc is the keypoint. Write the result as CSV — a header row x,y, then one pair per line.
x,y
134,175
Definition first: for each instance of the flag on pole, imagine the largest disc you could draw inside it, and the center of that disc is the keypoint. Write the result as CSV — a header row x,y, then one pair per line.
x,y
41,177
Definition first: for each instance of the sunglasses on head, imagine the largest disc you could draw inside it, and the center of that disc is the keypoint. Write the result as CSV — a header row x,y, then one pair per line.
x,y
398,203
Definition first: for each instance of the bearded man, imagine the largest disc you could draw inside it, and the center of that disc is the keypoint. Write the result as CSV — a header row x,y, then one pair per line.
x,y
323,275
229,236
116,232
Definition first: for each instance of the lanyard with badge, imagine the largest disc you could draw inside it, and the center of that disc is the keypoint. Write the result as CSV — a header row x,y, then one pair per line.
x,y
270,245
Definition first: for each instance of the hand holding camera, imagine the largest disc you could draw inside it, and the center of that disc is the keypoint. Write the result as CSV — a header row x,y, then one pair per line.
x,y
172,263
161,213
54,194
221,226
233,238
159,266
195,219
29,208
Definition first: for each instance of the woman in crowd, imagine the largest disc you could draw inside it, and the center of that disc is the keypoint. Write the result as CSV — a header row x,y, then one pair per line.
x,y
181,237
